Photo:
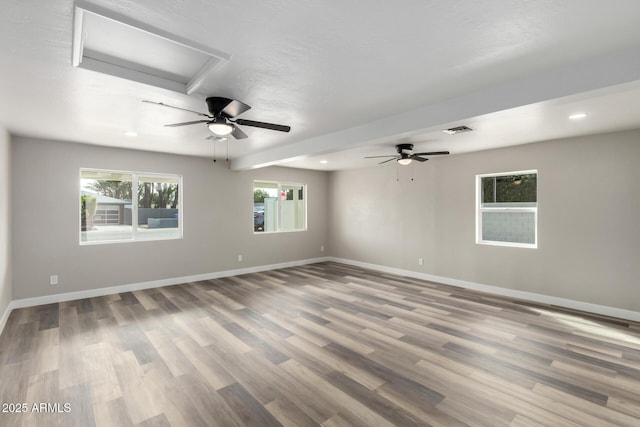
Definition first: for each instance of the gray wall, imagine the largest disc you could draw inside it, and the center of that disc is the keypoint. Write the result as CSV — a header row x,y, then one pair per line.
x,y
5,220
589,231
217,212
588,219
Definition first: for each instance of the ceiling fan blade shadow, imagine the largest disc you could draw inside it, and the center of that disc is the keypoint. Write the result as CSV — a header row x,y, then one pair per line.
x,y
176,108
173,125
432,153
237,133
271,126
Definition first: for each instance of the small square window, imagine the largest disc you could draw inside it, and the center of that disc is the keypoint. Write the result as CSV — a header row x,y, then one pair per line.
x,y
507,209
279,207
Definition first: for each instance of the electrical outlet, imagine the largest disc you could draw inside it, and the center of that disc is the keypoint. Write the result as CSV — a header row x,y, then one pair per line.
x,y
53,279
321,248
239,258
420,261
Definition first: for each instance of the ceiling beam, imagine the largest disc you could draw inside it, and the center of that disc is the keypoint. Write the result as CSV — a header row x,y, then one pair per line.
x,y
587,75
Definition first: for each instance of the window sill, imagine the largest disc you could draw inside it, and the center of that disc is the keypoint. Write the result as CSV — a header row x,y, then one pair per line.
x,y
279,231
508,244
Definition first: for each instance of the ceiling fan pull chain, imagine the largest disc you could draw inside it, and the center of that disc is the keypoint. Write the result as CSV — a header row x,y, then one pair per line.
x,y
227,151
214,150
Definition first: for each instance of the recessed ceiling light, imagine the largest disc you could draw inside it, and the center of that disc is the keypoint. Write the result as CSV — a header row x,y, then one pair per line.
x,y
324,162
131,133
578,116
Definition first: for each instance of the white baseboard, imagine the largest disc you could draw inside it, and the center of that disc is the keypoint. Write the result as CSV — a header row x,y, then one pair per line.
x,y
5,317
70,296
529,296
495,290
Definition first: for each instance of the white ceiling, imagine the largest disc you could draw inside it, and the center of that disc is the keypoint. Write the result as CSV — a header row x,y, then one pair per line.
x,y
352,79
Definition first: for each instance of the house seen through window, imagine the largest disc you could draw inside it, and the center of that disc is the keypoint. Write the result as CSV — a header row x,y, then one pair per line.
x,y
111,211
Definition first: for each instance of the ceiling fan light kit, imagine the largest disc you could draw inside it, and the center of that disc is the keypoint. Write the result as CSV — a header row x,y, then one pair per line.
x,y
220,127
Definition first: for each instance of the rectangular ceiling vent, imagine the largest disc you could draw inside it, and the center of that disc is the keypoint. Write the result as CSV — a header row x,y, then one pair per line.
x,y
116,45
458,129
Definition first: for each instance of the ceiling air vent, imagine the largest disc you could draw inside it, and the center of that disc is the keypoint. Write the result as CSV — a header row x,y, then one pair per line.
x,y
458,129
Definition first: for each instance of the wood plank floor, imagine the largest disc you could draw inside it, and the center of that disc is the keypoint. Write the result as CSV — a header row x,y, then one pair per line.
x,y
324,344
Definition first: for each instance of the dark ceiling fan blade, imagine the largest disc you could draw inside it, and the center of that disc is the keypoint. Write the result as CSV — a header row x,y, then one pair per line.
x,y
271,126
228,107
235,108
377,157
238,134
173,125
175,108
433,153
387,160
418,158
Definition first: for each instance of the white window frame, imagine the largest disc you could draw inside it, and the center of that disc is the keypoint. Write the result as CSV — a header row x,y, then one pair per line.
x,y
134,206
279,185
515,207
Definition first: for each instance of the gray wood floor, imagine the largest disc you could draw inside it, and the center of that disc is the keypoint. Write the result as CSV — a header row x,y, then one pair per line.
x,y
324,344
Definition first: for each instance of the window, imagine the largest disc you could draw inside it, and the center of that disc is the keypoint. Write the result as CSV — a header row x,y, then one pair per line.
x,y
507,209
109,207
158,213
279,207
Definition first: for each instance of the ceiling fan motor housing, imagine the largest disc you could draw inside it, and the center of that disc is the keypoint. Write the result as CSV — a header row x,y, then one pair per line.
x,y
402,147
216,104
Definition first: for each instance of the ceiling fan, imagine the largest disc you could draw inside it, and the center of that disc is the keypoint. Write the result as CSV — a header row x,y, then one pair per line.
x,y
221,119
405,157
